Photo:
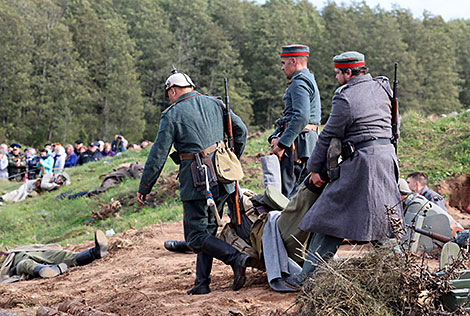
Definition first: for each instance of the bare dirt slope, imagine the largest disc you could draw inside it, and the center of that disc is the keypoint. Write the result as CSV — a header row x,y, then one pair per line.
x,y
457,192
139,277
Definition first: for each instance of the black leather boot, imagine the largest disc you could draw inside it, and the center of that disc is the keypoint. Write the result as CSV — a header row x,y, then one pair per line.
x,y
99,251
49,271
203,275
77,195
176,246
227,254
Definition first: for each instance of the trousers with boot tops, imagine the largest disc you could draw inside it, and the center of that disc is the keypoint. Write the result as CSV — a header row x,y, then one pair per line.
x,y
50,263
200,227
27,261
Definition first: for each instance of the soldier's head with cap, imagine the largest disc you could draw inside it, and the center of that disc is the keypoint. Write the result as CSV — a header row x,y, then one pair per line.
x,y
349,65
15,148
178,84
403,188
293,58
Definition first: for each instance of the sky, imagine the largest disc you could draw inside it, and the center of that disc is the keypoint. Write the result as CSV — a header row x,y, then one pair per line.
x,y
448,9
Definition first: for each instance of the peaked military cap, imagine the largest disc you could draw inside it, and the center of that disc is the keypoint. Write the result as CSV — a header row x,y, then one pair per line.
x,y
349,60
295,50
15,146
274,199
403,187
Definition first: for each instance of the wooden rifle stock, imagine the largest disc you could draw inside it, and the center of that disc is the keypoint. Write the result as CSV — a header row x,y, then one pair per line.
x,y
231,145
432,235
395,112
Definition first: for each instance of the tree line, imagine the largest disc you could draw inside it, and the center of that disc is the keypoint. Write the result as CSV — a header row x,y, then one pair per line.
x,y
91,69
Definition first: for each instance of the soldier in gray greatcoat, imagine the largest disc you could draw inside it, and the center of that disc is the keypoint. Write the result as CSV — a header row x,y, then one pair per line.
x,y
297,131
353,206
194,125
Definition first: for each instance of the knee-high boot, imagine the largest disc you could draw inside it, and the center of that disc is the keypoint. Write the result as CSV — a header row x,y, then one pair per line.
x,y
203,275
227,254
99,251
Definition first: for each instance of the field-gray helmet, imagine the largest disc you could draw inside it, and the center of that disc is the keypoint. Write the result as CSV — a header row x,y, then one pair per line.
x,y
178,79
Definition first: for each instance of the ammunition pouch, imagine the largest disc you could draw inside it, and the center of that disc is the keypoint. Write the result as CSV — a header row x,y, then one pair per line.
x,y
175,157
350,148
198,172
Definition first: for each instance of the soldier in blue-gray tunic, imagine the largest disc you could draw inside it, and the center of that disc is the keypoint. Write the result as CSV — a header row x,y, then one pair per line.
x,y
194,125
297,130
418,184
353,205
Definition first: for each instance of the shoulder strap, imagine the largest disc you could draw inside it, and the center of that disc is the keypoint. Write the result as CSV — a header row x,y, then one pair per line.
x,y
224,110
386,91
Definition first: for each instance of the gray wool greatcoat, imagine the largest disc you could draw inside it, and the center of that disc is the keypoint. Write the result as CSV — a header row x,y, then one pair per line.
x,y
352,206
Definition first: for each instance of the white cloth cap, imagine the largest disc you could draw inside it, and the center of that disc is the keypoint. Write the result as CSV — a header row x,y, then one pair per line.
x,y
180,80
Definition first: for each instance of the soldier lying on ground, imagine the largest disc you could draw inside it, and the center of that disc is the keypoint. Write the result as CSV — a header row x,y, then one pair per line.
x,y
48,182
47,261
134,170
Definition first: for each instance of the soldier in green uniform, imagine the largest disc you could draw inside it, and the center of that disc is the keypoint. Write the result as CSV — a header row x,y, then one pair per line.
x,y
194,125
16,163
47,261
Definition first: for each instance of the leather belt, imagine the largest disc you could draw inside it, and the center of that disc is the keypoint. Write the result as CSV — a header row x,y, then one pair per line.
x,y
380,141
209,150
349,148
312,127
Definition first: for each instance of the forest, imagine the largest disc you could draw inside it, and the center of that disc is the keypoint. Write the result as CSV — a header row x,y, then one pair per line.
x,y
82,69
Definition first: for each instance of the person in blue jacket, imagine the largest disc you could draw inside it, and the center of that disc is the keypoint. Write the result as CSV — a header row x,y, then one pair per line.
x,y
71,158
297,130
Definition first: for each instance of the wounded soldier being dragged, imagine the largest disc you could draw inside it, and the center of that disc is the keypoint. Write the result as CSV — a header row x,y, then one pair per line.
x,y
353,205
47,261
270,236
50,181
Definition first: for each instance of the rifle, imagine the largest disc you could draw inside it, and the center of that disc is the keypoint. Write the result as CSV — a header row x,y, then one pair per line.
x,y
432,235
395,111
462,239
229,131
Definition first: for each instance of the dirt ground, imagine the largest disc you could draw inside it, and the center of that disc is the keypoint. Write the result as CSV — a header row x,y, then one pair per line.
x,y
140,277
457,192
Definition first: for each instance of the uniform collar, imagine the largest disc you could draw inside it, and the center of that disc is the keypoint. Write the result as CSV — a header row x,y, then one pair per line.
x,y
187,95
297,74
359,79
424,190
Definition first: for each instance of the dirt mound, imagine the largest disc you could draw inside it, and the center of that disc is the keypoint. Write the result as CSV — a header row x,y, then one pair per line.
x,y
139,277
457,195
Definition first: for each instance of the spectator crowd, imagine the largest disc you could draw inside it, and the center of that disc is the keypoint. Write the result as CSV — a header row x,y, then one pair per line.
x,y
18,165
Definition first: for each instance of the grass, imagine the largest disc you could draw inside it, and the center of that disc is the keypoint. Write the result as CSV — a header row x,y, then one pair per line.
x,y
440,149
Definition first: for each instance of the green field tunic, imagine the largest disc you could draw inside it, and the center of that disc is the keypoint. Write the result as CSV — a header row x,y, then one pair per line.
x,y
194,122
